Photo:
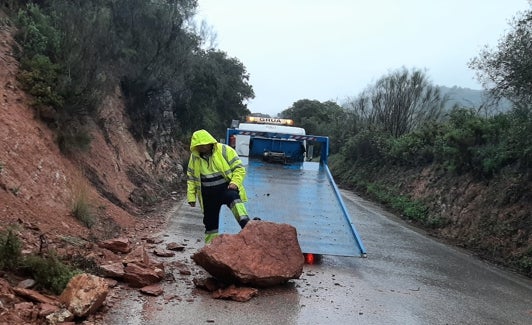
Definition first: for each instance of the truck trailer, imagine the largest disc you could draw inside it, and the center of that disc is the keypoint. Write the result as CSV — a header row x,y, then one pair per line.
x,y
288,181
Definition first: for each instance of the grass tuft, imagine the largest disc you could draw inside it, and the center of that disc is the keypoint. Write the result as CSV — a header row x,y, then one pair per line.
x,y
81,208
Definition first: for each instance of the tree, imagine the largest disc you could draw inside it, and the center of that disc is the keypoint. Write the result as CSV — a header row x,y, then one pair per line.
x,y
308,114
317,118
399,102
507,71
216,93
172,85
85,53
154,52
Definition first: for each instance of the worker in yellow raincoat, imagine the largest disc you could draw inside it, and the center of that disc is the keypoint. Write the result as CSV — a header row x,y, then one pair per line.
x,y
215,176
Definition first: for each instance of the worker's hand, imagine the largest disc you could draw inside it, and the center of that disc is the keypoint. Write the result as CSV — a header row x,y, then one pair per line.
x,y
192,204
232,186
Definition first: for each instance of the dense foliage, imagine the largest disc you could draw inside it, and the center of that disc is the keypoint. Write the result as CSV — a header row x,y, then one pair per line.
x,y
398,126
74,53
506,71
400,120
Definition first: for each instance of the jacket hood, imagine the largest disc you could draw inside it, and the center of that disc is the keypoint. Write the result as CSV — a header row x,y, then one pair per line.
x,y
201,137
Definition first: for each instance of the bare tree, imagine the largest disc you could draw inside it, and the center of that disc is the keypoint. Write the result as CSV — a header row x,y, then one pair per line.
x,y
399,102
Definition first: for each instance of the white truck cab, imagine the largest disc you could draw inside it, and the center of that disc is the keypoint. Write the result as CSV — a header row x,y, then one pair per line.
x,y
262,124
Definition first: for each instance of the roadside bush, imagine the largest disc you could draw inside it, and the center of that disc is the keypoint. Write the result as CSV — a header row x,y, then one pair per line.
x,y
484,145
467,142
415,148
517,135
10,250
462,132
338,165
525,263
496,150
489,159
366,146
49,272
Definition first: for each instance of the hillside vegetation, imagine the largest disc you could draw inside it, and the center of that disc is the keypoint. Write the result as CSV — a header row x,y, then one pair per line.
x,y
75,53
464,173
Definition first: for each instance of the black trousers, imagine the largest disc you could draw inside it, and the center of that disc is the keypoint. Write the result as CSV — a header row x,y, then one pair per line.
x,y
213,199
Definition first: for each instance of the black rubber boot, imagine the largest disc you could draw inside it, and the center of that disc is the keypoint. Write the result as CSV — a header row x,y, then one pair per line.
x,y
243,222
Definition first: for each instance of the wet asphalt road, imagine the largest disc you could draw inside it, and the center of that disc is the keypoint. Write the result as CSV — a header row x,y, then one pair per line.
x,y
407,278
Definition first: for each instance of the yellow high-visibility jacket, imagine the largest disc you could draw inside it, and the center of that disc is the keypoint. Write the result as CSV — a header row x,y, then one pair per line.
x,y
224,159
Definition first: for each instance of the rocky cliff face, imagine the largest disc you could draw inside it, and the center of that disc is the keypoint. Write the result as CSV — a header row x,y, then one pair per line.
x,y
117,177
119,181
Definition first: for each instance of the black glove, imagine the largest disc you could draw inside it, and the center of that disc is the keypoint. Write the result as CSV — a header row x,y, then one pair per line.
x,y
243,222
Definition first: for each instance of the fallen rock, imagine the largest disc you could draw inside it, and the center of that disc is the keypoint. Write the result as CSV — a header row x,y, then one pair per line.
x,y
60,317
209,284
117,245
175,247
111,283
163,253
262,254
26,284
153,240
26,310
152,290
140,269
140,275
5,287
23,306
84,294
240,294
11,318
47,309
140,256
34,296
113,270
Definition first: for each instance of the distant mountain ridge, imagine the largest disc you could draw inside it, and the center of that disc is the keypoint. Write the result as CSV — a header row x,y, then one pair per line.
x,y
462,97
470,98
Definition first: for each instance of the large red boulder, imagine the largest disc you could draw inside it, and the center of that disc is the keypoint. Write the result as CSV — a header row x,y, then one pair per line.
x,y
263,254
84,294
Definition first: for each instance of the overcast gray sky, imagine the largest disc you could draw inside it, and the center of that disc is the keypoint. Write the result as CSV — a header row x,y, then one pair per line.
x,y
334,49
